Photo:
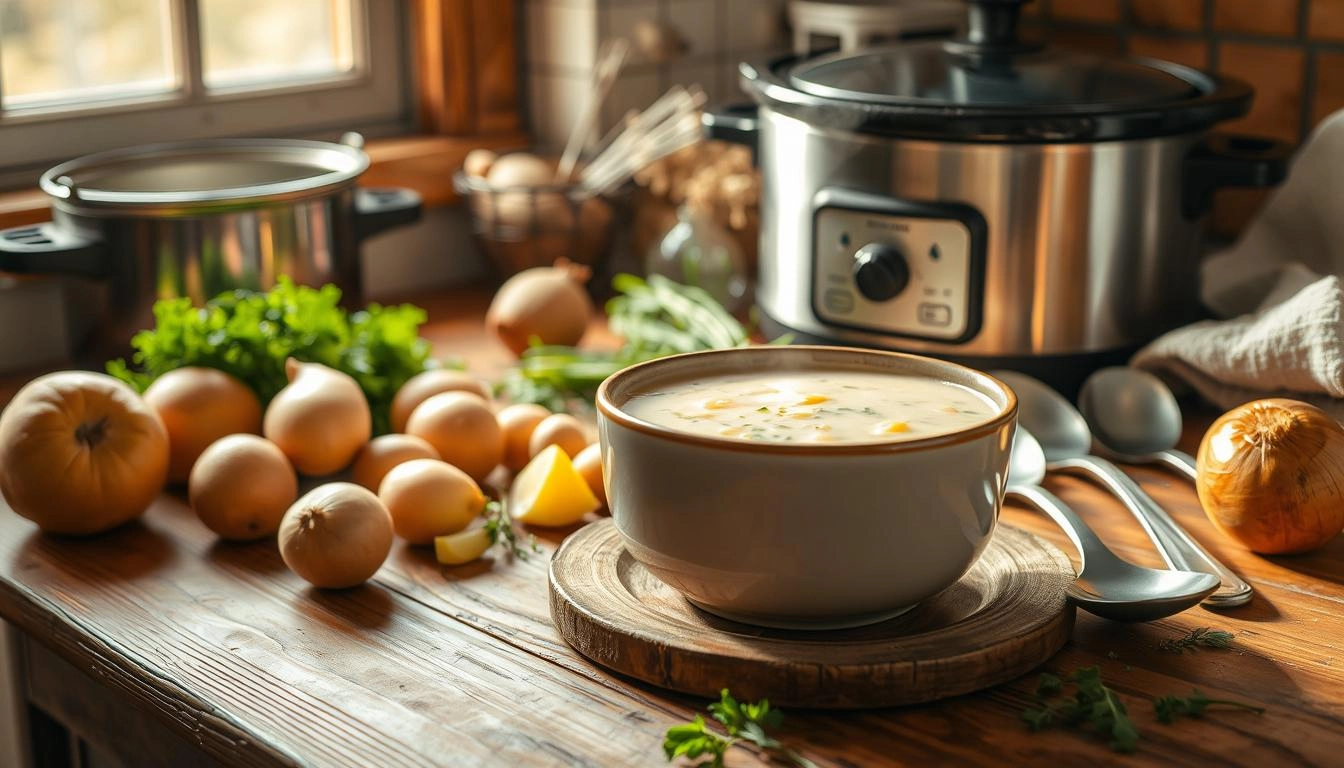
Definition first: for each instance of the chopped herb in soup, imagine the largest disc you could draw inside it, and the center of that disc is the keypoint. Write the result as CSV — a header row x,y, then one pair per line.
x,y
824,407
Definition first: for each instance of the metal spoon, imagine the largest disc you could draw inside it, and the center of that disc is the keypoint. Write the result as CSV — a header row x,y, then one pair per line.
x,y
1106,585
1135,418
1067,443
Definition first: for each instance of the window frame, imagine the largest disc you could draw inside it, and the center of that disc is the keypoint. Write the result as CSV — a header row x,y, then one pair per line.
x,y
372,98
464,83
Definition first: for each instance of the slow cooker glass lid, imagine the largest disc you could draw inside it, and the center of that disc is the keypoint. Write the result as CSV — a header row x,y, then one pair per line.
x,y
934,74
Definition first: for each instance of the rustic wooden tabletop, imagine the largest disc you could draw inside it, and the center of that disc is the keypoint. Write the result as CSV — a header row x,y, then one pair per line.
x,y
221,646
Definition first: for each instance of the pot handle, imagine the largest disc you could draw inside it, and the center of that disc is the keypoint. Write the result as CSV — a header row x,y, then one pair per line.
x,y
384,208
47,249
1226,160
735,123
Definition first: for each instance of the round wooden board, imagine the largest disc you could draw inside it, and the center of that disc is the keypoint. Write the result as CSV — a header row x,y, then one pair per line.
x,y
1007,615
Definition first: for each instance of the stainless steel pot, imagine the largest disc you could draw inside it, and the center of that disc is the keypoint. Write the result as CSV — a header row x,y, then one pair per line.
x,y
198,218
986,200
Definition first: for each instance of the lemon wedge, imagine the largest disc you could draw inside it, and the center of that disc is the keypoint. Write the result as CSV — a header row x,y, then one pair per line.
x,y
550,492
462,547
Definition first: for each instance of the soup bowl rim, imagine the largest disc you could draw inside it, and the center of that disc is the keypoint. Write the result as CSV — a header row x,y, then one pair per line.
x,y
983,384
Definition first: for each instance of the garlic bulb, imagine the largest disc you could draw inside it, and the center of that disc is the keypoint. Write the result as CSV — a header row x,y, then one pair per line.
x,y
1271,476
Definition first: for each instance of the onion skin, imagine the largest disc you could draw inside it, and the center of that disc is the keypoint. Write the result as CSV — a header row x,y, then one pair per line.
x,y
320,419
336,536
548,303
1271,476
517,422
423,386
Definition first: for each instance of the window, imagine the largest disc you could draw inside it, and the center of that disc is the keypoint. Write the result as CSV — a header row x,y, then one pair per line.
x,y
78,76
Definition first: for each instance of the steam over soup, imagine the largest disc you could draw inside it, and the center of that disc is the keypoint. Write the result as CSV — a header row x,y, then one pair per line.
x,y
821,407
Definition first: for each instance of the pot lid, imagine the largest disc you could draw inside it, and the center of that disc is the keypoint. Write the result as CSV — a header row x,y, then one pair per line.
x,y
992,86
190,176
934,74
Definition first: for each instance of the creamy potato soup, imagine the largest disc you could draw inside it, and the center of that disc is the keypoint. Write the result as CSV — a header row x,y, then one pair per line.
x,y
822,407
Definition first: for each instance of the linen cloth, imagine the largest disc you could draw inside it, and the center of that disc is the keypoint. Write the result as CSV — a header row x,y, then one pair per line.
x,y
1277,295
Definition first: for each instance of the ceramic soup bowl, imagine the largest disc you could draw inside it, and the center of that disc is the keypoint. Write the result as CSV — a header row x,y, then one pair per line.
x,y
803,535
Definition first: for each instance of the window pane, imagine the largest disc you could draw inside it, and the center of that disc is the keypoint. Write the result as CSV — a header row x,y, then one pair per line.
x,y
249,42
61,51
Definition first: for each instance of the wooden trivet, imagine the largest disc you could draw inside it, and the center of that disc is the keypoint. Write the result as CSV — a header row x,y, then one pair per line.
x,y
1007,615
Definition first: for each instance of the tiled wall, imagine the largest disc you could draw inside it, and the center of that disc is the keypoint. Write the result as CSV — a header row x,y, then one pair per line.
x,y
563,36
1290,51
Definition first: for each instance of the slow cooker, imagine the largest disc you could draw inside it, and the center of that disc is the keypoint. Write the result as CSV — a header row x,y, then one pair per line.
x,y
987,199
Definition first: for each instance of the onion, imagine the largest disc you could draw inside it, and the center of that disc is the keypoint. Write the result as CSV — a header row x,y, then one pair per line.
x,y
336,536
558,429
463,431
1271,476
320,419
546,303
588,463
517,422
381,454
423,386
241,487
429,498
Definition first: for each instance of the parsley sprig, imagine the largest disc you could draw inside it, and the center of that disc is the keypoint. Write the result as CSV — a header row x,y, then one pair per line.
x,y
743,721
1200,636
249,335
1093,703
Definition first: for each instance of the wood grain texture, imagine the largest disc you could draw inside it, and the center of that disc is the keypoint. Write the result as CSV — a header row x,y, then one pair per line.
x,y
1006,616
467,66
426,164
224,645
461,665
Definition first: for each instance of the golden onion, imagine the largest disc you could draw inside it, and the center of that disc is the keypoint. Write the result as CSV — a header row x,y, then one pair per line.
x,y
1271,476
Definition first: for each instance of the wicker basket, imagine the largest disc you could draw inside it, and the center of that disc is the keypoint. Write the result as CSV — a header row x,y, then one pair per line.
x,y
523,227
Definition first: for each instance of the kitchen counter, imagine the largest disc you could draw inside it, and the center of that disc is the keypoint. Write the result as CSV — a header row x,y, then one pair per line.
x,y
158,644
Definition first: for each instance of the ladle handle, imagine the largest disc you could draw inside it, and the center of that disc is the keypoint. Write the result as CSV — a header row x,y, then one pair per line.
x,y
1178,548
1180,461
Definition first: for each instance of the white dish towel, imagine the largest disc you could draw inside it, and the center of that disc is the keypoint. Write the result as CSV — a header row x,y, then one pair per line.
x,y
1279,294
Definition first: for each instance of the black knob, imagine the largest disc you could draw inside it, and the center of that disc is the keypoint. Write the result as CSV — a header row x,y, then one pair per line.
x,y
993,22
880,271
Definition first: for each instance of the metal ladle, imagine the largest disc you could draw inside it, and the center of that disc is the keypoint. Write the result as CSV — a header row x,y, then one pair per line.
x,y
1135,418
1067,443
1106,585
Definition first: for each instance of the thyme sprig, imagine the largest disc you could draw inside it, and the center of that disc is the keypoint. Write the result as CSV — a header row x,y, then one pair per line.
x,y
1096,705
1170,708
1200,636
499,527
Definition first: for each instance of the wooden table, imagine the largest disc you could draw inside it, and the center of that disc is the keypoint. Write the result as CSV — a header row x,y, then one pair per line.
x,y
158,644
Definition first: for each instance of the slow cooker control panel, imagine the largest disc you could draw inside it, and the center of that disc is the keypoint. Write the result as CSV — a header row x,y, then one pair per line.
x,y
898,267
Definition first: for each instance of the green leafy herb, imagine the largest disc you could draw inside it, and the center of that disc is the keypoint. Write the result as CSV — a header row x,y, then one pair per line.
x,y
656,317
249,335
1093,704
499,527
1096,705
1209,638
1170,708
742,721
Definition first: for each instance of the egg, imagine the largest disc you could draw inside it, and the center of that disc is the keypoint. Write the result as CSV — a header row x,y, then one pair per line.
x,y
478,162
511,176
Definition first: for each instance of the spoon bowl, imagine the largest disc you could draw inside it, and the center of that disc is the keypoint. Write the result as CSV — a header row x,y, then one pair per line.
x,y
1135,417
1066,443
1106,585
